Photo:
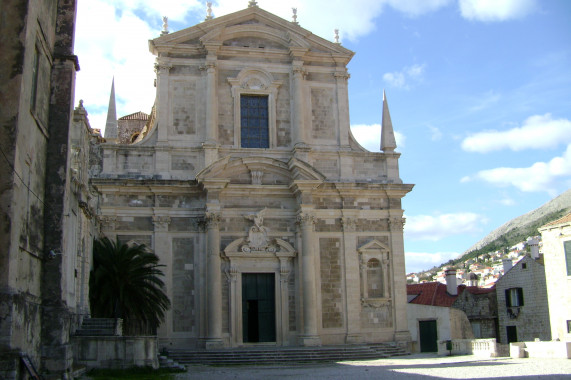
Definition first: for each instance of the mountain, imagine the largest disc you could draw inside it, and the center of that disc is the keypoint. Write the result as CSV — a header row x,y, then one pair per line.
x,y
518,229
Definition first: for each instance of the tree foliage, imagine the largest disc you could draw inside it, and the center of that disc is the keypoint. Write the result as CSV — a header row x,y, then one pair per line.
x,y
126,283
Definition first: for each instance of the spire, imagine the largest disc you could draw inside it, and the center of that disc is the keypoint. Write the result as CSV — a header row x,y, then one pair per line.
x,y
111,127
388,142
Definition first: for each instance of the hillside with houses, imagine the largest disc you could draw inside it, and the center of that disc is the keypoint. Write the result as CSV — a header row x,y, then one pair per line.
x,y
487,260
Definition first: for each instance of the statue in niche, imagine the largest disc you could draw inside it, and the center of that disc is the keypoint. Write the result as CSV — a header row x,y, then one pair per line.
x,y
258,234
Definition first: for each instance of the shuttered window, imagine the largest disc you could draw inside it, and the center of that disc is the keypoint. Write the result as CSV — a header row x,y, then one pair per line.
x,y
514,297
567,246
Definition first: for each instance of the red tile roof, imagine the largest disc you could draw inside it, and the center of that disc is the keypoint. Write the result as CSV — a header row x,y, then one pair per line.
x,y
435,294
565,219
135,116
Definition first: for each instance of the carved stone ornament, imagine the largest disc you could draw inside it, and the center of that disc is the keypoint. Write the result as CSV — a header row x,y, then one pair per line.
x,y
212,219
257,177
163,68
304,219
376,303
258,240
253,83
397,223
349,224
161,221
107,219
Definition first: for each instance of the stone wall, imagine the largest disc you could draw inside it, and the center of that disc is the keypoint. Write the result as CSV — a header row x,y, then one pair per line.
x,y
116,352
331,294
532,319
558,281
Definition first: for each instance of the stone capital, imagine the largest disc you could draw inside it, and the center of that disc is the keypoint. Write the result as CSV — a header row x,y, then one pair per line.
x,y
396,224
305,219
161,222
342,76
162,68
213,219
349,224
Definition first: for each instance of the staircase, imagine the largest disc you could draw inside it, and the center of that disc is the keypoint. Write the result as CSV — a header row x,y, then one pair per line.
x,y
283,355
100,327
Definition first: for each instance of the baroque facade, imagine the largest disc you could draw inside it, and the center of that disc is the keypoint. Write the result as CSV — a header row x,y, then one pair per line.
x,y
273,223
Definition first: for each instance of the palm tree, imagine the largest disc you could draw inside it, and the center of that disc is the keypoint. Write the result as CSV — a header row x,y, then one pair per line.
x,y
125,283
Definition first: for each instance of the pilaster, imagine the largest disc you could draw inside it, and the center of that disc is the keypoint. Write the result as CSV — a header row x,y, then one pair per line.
x,y
309,336
299,135
163,250
398,275
341,79
352,281
163,69
214,278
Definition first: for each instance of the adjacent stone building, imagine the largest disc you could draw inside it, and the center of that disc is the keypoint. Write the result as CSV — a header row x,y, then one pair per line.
x,y
523,313
556,238
275,225
46,206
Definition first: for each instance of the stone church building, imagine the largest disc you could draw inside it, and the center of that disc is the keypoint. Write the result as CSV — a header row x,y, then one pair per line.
x,y
274,225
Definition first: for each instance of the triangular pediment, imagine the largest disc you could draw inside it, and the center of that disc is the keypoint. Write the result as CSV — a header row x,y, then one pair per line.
x,y
373,245
237,29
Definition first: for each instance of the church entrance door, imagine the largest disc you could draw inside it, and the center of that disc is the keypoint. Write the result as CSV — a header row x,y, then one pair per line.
x,y
258,307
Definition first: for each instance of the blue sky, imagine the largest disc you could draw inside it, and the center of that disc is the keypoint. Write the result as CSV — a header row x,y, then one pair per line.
x,y
479,93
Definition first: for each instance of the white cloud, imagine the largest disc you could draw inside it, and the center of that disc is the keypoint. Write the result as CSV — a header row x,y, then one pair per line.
x,y
507,202
435,133
402,79
118,48
495,10
541,176
537,132
419,261
485,101
369,136
434,228
415,8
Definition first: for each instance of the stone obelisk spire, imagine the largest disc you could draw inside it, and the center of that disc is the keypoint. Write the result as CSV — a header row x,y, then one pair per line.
x,y
388,142
111,127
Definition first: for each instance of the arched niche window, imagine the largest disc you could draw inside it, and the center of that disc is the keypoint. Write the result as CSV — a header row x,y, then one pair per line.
x,y
254,92
375,271
374,279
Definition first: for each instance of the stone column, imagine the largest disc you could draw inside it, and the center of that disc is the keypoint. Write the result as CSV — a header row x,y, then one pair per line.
x,y
343,107
402,335
214,284
299,134
164,251
309,337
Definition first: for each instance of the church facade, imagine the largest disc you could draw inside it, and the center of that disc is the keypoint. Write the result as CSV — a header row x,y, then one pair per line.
x,y
274,225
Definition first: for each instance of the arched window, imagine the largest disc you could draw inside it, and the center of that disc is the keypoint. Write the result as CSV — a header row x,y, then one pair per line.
x,y
374,279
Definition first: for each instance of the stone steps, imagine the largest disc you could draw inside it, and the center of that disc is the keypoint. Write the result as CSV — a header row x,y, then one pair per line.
x,y
253,356
98,327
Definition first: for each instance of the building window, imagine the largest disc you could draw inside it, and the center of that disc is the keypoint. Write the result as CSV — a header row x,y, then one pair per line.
x,y
567,246
514,297
35,74
254,126
568,327
374,279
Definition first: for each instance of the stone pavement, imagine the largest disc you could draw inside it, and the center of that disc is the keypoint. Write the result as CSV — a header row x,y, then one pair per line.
x,y
419,366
